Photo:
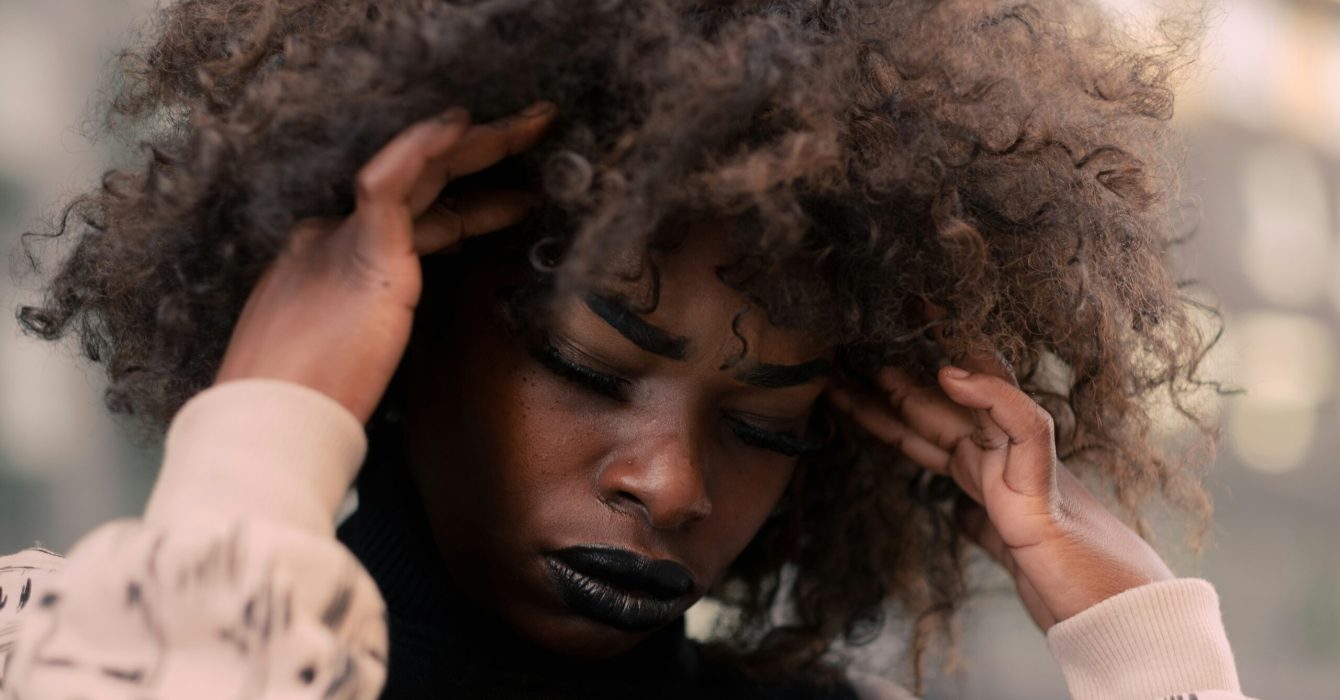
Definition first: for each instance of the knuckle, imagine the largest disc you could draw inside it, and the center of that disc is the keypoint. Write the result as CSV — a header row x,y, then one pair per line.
x,y
369,183
305,237
899,396
990,439
1042,426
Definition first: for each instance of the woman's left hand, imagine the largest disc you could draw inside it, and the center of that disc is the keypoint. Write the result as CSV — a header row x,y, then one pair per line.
x,y
1065,550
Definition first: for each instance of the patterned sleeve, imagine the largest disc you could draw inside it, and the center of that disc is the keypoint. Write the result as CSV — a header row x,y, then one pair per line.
x,y
23,582
231,586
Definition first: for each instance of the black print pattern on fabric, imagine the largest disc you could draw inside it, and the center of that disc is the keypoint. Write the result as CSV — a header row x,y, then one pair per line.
x,y
239,611
21,584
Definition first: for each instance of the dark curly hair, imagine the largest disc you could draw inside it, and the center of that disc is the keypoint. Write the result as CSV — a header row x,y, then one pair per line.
x,y
1009,163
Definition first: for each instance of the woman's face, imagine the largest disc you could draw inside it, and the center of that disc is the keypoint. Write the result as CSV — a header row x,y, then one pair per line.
x,y
591,487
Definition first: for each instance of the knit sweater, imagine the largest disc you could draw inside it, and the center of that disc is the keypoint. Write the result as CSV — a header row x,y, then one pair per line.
x,y
234,585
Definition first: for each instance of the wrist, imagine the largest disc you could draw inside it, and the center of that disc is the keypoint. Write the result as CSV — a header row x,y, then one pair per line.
x,y
1090,557
259,447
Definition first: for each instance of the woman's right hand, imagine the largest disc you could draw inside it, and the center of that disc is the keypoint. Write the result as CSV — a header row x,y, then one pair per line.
x,y
1065,550
334,310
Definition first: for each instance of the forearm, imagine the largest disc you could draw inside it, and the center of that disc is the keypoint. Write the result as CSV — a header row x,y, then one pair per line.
x,y
232,584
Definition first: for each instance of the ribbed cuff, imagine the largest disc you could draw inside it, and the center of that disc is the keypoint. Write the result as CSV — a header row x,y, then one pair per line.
x,y
259,447
1149,642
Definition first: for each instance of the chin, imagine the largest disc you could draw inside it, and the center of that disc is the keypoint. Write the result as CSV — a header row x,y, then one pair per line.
x,y
571,634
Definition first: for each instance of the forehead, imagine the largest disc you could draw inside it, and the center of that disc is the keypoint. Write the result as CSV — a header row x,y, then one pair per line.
x,y
677,289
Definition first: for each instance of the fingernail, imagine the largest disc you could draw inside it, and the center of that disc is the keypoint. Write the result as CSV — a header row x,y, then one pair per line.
x,y
451,116
541,107
956,372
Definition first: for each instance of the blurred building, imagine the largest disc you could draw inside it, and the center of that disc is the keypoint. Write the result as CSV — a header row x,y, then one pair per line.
x,y
1262,117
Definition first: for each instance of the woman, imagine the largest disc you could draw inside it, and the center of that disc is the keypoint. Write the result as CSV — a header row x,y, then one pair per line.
x,y
789,292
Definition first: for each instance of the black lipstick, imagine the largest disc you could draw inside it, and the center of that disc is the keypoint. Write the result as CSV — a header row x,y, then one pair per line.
x,y
619,588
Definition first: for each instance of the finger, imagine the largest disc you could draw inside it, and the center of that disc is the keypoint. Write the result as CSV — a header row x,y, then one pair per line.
x,y
877,418
447,223
993,363
384,185
488,143
985,432
1026,427
926,409
483,146
988,433
965,466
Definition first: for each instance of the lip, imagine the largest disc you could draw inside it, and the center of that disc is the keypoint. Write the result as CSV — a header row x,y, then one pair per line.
x,y
618,587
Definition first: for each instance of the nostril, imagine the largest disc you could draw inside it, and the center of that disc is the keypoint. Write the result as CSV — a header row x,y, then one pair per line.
x,y
625,502
665,489
628,497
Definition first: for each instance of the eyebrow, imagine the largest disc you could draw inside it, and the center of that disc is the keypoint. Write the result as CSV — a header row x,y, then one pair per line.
x,y
769,376
634,328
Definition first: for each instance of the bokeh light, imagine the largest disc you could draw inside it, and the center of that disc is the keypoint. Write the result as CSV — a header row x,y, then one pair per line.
x,y
1271,439
1286,246
1287,363
1246,60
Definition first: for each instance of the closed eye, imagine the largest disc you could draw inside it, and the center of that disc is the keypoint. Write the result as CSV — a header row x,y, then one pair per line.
x,y
787,443
601,383
615,387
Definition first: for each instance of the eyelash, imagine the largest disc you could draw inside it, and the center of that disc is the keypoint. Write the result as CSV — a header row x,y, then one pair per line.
x,y
616,388
604,384
787,443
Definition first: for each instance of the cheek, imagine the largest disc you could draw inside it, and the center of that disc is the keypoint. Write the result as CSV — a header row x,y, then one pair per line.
x,y
540,447
495,453
745,493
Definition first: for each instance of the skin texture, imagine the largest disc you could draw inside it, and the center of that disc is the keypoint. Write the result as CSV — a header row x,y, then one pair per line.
x,y
514,459
1009,164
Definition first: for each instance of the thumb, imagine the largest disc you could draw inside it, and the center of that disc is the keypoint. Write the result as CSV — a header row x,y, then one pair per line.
x,y
1026,427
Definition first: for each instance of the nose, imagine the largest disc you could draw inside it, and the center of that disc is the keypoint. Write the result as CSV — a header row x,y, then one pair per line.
x,y
660,480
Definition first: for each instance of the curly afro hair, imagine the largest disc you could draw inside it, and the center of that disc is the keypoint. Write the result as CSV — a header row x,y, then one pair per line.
x,y
1011,164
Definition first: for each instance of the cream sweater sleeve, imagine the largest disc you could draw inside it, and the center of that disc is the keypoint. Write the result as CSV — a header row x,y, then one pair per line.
x,y
231,586
1161,640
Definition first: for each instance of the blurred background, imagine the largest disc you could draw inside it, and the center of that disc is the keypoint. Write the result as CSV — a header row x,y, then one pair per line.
x,y
1262,118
